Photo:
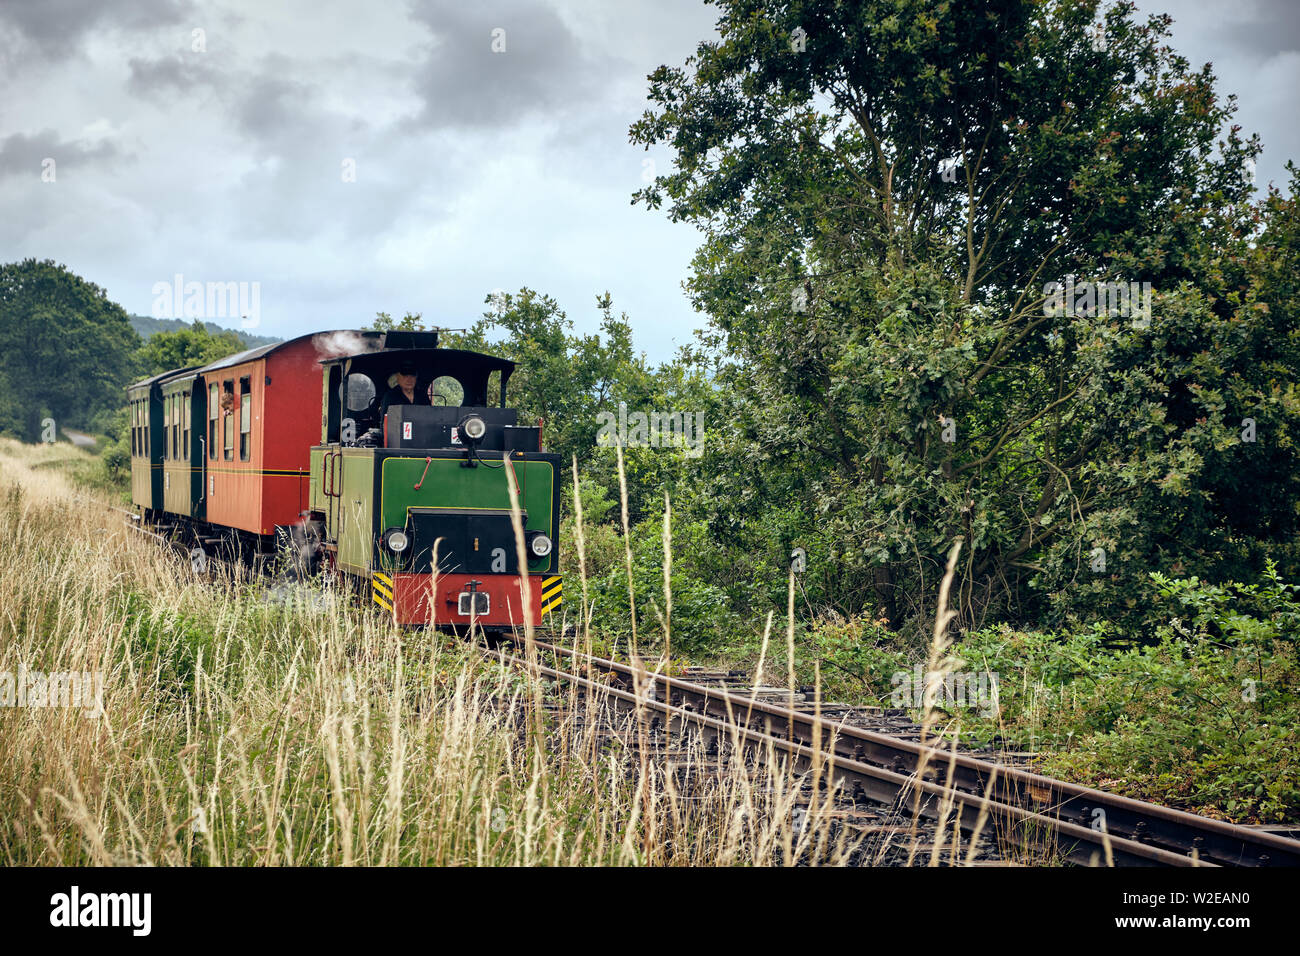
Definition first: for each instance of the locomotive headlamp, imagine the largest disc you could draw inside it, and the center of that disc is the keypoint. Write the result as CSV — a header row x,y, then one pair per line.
x,y
539,544
396,540
473,428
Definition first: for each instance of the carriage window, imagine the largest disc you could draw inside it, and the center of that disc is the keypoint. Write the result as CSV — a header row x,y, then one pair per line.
x,y
227,419
176,427
245,418
167,427
213,406
185,426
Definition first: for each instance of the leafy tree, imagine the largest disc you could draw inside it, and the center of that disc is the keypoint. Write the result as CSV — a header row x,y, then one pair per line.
x,y
885,191
562,378
183,348
410,322
68,351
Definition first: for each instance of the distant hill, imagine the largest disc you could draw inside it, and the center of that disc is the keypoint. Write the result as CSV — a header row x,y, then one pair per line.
x,y
145,326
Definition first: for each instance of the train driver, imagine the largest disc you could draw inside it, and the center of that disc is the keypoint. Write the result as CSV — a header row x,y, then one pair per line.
x,y
403,389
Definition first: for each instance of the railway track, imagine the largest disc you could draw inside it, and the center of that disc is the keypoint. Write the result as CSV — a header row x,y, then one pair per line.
x,y
934,781
874,758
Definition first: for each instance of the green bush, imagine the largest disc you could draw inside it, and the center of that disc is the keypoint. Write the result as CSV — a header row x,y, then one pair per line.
x,y
1202,714
1204,717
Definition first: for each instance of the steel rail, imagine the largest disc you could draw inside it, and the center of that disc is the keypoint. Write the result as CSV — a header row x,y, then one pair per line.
x,y
970,812
1144,831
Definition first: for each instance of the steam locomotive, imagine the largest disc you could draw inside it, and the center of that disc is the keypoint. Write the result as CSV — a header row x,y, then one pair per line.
x,y
410,505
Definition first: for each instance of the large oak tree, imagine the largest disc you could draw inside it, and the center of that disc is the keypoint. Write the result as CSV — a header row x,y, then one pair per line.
x,y
886,188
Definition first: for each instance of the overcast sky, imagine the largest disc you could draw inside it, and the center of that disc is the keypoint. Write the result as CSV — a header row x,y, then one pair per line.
x,y
225,155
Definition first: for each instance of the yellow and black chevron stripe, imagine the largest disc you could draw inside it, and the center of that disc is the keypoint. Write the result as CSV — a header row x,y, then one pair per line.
x,y
381,589
552,594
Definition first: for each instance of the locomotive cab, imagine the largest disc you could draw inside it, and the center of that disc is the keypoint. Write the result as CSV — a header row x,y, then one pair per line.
x,y
446,379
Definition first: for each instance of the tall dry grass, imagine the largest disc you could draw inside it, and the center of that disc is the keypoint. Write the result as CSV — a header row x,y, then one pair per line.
x,y
253,724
